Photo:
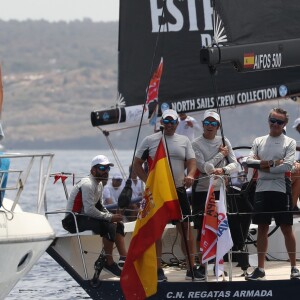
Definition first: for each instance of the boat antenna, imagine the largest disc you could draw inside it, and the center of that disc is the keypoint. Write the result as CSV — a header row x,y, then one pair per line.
x,y
218,37
124,200
213,73
1,105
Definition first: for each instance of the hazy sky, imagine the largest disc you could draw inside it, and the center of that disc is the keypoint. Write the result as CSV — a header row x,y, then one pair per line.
x,y
56,10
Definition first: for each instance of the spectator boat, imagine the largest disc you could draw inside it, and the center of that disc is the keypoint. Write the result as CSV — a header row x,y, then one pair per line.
x,y
25,234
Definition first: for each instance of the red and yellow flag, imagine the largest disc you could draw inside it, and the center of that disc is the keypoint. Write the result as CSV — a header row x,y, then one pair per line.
x,y
249,60
152,91
159,206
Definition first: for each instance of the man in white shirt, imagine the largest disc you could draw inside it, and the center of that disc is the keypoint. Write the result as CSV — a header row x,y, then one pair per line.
x,y
112,191
187,126
182,157
273,155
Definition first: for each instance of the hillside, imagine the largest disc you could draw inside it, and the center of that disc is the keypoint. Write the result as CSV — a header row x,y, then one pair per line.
x,y
55,74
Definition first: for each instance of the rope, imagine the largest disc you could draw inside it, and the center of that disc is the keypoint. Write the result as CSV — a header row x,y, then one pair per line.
x,y
112,149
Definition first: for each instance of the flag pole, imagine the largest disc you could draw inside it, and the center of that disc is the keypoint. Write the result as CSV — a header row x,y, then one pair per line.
x,y
181,223
230,251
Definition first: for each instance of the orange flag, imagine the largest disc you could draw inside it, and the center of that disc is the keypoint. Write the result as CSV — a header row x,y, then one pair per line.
x,y
152,92
159,206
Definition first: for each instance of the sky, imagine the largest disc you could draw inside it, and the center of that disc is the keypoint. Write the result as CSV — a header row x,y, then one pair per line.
x,y
59,10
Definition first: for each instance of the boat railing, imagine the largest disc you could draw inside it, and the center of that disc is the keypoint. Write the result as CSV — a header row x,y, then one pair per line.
x,y
16,172
77,233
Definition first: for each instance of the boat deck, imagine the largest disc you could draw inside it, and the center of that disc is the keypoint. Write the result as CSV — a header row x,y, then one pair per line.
x,y
275,270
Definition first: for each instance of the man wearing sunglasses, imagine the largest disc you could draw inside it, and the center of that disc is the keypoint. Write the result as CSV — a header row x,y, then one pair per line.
x,y
182,157
273,155
212,158
85,201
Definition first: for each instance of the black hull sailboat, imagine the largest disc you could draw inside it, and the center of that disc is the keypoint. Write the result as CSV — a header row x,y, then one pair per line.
x,y
216,54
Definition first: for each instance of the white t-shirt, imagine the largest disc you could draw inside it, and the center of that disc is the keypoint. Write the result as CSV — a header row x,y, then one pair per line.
x,y
180,150
207,153
190,132
273,148
110,192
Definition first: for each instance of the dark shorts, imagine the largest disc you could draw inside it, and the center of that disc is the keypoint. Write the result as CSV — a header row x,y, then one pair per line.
x,y
270,203
103,228
184,203
198,207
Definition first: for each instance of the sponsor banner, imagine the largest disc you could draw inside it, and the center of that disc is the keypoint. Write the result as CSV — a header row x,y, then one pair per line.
x,y
177,30
226,100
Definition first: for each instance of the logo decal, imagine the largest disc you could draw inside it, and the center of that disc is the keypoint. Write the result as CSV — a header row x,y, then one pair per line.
x,y
248,60
146,204
105,116
283,90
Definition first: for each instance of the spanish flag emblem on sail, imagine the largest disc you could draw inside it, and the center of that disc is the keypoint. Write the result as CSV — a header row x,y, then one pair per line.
x,y
159,206
248,60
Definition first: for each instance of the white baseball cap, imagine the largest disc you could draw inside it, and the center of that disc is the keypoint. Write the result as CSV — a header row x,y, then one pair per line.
x,y
101,160
170,113
117,176
296,123
212,114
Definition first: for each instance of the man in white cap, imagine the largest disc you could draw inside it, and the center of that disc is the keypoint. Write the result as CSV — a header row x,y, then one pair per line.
x,y
182,157
112,190
85,201
212,157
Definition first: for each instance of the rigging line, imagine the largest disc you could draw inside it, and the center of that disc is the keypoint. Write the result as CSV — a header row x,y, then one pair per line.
x,y
114,153
150,77
213,73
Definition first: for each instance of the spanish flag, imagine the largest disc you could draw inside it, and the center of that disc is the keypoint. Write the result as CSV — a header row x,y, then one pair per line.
x,y
159,206
248,60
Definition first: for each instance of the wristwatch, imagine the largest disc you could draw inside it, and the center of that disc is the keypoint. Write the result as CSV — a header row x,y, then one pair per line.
x,y
271,163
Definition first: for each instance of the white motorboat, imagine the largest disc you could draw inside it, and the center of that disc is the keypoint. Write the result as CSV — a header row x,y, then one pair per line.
x,y
24,234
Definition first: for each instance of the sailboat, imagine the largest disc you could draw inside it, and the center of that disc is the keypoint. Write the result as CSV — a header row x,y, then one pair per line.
x,y
216,54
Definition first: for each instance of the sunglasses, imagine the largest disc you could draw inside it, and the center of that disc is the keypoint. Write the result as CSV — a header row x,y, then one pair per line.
x,y
166,121
279,122
212,123
104,168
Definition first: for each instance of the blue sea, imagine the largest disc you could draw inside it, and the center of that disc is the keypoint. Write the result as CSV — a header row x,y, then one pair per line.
x,y
47,280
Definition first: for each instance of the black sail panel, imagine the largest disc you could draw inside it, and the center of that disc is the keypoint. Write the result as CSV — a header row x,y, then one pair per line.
x,y
186,83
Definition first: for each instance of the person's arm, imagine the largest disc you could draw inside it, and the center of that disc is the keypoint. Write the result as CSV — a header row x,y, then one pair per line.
x,y
89,203
232,165
253,160
196,125
288,160
139,169
201,162
191,170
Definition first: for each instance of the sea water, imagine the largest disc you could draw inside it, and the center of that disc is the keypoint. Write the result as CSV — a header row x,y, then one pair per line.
x,y
47,280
